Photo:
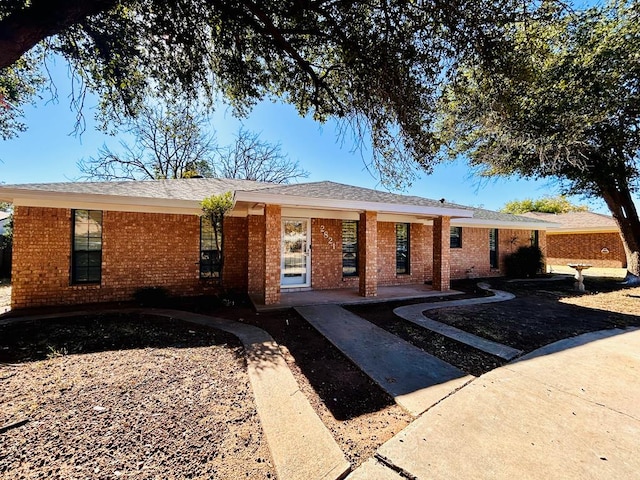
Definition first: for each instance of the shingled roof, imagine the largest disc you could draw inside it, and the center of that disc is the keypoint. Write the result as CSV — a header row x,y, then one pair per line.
x,y
187,193
576,221
175,189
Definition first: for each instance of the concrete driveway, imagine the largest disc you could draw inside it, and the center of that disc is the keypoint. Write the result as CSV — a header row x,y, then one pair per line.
x,y
570,410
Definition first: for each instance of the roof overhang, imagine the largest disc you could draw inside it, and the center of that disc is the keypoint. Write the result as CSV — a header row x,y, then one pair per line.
x,y
43,198
295,201
489,223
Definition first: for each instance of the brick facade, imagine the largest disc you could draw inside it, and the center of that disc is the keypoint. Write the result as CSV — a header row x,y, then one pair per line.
x,y
586,248
148,249
138,250
368,254
472,259
418,242
273,253
441,253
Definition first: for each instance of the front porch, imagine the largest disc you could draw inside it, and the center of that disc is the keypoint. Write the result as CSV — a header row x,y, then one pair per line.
x,y
349,296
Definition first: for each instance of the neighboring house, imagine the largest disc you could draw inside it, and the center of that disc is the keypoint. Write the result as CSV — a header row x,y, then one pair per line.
x,y
94,242
583,237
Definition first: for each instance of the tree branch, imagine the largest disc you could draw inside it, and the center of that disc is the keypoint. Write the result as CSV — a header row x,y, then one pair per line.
x,y
22,30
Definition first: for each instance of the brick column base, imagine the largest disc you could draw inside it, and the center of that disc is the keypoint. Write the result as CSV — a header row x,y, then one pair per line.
x,y
441,254
368,254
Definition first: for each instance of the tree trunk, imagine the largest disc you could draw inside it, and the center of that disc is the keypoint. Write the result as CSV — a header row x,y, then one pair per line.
x,y
24,28
624,212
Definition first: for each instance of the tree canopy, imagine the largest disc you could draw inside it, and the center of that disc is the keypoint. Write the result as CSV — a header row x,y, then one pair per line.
x,y
376,65
557,204
566,108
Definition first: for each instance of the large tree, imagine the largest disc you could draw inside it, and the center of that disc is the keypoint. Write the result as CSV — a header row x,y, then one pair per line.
x,y
567,107
172,141
376,65
548,204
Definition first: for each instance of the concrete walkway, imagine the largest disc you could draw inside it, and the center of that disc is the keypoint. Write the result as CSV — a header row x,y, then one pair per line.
x,y
415,379
301,446
415,314
570,410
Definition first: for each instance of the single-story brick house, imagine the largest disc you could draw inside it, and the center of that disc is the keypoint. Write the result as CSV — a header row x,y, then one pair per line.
x,y
95,242
582,237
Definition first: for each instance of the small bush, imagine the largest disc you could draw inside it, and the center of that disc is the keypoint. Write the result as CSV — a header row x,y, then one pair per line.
x,y
152,297
525,262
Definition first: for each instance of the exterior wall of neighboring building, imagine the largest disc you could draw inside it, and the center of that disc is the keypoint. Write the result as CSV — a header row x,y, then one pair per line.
x,y
586,248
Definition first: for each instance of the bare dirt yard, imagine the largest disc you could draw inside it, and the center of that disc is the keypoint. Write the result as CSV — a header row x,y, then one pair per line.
x,y
5,294
134,396
126,397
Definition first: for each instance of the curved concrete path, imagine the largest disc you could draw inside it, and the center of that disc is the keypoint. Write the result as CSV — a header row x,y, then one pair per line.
x,y
570,410
415,379
301,446
415,314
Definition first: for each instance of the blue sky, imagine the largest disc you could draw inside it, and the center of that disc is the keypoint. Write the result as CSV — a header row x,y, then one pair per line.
x,y
48,151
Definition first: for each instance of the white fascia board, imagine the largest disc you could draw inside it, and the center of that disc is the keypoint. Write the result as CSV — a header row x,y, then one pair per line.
x,y
355,205
480,222
32,198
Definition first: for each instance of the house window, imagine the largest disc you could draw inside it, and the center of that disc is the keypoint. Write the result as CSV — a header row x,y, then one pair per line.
x,y
86,254
493,247
210,249
402,248
455,237
535,238
349,248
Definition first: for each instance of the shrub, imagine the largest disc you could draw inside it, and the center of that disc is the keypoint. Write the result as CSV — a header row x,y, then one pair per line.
x,y
152,297
525,262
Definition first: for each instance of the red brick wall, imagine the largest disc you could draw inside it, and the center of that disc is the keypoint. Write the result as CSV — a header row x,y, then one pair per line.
x,y
368,254
387,254
138,250
235,252
273,253
472,260
326,255
473,257
441,253
586,248
256,252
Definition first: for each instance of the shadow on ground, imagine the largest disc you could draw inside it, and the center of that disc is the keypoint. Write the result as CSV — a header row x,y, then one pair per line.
x,y
40,339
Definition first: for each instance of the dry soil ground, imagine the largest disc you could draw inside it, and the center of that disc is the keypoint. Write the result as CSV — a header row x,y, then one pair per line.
x,y
146,398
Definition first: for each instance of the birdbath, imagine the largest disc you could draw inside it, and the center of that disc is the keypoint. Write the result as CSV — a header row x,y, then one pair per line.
x,y
580,279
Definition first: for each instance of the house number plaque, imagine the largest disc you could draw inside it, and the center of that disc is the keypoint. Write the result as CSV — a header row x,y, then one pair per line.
x,y
329,238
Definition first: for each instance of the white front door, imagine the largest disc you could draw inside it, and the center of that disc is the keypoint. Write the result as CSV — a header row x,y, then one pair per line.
x,y
296,260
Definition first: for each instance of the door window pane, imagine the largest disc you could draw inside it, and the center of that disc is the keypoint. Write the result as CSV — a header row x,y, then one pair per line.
x,y
349,248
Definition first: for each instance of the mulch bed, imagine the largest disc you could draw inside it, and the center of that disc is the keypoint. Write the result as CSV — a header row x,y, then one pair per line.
x,y
536,317
125,396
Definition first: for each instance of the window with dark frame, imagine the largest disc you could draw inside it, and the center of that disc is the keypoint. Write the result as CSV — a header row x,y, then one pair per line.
x,y
210,255
455,237
86,254
402,248
535,238
349,248
493,248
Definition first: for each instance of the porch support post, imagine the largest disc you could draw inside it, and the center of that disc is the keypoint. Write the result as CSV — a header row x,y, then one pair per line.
x,y
368,254
272,253
255,256
441,254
